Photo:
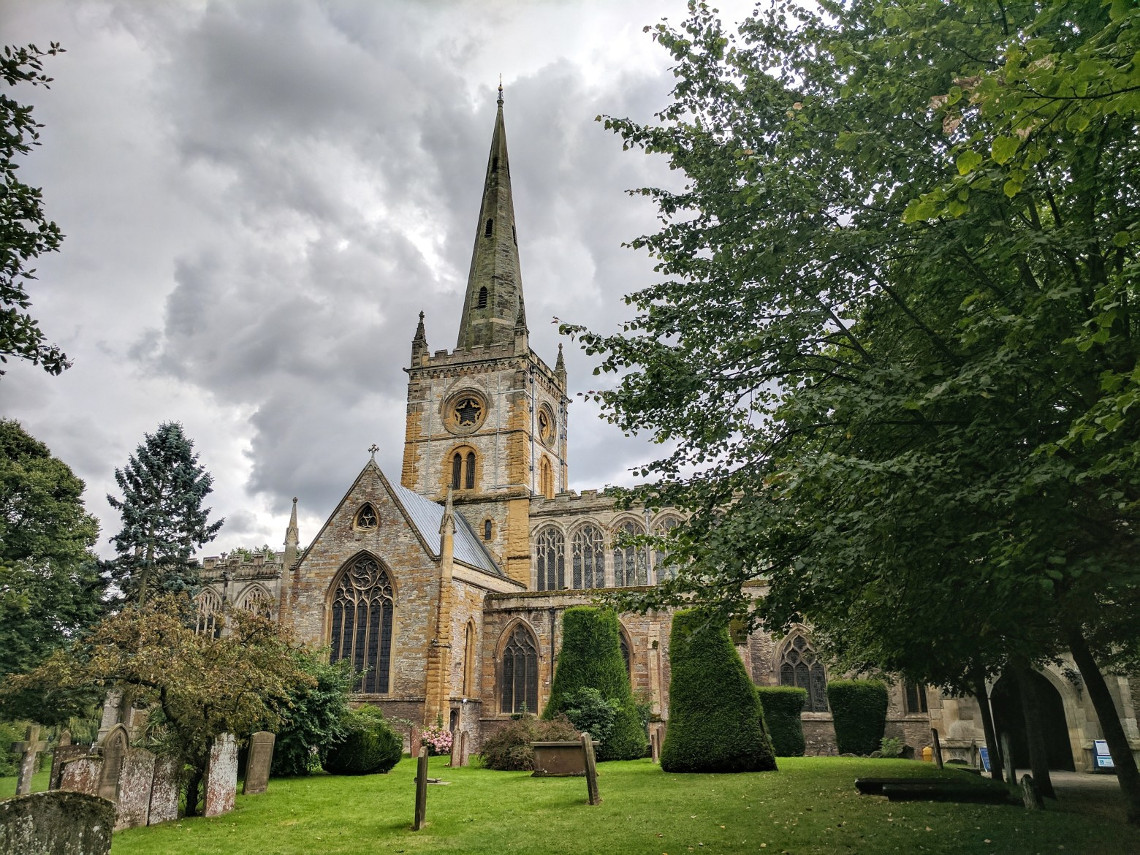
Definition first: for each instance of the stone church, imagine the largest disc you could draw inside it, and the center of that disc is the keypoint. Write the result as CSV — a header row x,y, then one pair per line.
x,y
445,588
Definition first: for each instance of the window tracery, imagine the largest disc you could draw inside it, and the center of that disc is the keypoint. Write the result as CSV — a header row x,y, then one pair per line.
x,y
362,623
630,560
366,517
520,673
258,602
589,557
209,612
801,667
549,550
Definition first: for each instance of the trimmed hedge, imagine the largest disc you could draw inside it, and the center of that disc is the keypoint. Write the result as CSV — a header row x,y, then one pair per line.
x,y
716,722
369,746
782,708
859,711
591,658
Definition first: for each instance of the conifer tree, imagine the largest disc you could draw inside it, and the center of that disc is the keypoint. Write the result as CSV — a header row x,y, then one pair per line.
x,y
163,488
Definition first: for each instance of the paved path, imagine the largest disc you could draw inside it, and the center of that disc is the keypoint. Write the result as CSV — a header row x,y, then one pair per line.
x,y
1088,795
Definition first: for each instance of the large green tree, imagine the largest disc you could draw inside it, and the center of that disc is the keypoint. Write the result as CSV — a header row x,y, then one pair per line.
x,y
893,346
163,488
25,233
50,584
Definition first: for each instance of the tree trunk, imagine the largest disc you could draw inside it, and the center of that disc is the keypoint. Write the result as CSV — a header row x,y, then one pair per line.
x,y
193,791
992,746
1034,731
1118,746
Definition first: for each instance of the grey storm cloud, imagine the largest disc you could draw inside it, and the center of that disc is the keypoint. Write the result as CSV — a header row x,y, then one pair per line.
x,y
259,197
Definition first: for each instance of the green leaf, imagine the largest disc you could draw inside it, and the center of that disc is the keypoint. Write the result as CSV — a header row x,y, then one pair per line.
x,y
1004,148
968,161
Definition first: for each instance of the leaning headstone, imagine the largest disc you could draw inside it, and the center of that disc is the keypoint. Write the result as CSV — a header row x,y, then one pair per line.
x,y
28,751
459,750
221,775
591,769
937,749
1030,795
134,789
258,763
82,775
421,789
60,823
164,790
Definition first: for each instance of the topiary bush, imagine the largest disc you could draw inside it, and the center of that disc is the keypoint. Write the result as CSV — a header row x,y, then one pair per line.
x,y
782,708
370,745
591,658
509,748
859,710
716,722
588,710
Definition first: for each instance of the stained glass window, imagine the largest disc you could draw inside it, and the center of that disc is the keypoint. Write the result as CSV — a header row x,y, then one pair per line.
x,y
550,550
520,673
589,557
801,667
362,623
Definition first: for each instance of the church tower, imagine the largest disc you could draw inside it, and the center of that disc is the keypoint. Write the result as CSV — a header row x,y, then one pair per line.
x,y
488,420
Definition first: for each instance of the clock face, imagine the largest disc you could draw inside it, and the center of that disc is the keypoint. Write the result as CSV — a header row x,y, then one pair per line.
x,y
465,412
545,425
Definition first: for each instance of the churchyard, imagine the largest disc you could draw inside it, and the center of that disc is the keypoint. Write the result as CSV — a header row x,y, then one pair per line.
x,y
809,805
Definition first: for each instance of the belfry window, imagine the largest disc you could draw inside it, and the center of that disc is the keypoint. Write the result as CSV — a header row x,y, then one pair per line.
x,y
487,228
362,623
463,470
549,549
482,304
801,667
520,673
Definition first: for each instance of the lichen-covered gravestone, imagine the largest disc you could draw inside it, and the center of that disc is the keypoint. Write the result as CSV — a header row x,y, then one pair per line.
x,y
134,789
27,750
258,763
221,776
57,822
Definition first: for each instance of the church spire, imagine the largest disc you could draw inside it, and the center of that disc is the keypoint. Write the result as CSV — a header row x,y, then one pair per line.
x,y
494,302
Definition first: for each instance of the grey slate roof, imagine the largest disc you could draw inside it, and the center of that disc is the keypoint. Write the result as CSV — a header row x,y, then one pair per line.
x,y
427,515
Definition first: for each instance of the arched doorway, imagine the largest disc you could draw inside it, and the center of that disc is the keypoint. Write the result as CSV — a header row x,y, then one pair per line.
x,y
1008,719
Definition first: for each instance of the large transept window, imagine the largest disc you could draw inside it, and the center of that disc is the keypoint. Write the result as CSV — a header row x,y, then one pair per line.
x,y
520,673
589,557
550,550
801,667
362,623
630,561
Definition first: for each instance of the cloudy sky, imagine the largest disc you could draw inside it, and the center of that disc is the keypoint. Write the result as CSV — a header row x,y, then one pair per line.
x,y
259,197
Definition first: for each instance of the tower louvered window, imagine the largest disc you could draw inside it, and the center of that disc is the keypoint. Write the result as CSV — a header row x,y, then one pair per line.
x,y
550,551
362,624
801,667
520,673
589,557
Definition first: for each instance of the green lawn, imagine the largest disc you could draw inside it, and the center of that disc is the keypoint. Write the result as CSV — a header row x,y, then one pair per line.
x,y
810,805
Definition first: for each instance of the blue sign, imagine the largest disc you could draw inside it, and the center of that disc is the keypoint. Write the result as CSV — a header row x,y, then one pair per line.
x,y
1102,755
985,752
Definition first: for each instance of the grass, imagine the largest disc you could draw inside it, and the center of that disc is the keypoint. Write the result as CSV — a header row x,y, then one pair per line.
x,y
809,806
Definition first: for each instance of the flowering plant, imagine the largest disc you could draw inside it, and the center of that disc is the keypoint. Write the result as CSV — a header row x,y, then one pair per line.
x,y
437,739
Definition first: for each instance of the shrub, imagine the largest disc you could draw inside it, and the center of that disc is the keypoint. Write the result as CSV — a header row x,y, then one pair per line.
x,y
591,658
369,745
891,746
437,738
313,719
716,722
782,708
589,711
509,748
859,710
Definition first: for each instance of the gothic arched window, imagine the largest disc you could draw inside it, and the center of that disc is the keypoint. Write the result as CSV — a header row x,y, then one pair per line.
x,y
546,479
463,466
362,623
366,517
257,600
664,571
801,667
469,475
488,529
520,673
209,610
630,561
589,557
550,551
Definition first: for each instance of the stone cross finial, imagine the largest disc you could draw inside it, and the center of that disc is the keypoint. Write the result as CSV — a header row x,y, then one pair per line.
x,y
372,449
28,750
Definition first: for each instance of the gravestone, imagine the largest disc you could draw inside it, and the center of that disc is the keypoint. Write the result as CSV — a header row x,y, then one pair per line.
x,y
1007,758
221,775
421,790
134,789
28,750
459,750
82,775
258,763
937,749
60,823
164,790
114,756
64,753
591,770
1030,795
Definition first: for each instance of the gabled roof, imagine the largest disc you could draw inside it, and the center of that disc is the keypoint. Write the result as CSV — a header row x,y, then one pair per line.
x,y
427,515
